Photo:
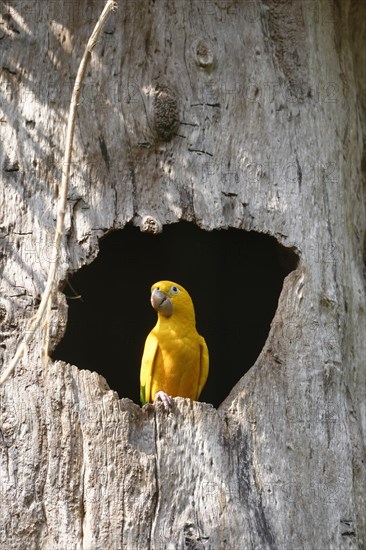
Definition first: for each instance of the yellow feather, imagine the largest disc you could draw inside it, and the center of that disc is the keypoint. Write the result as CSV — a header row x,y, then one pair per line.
x,y
175,358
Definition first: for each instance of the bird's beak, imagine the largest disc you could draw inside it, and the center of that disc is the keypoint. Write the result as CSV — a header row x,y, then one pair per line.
x,y
161,303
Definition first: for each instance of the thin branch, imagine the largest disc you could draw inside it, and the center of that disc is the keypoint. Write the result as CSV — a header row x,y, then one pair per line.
x,y
60,226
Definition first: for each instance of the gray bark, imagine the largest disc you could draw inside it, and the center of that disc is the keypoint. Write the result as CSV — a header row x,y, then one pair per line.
x,y
228,114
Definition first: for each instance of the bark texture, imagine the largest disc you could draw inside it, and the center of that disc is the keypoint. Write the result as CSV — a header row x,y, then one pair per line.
x,y
228,114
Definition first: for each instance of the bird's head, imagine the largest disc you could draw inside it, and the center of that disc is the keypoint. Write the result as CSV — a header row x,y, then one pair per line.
x,y
169,298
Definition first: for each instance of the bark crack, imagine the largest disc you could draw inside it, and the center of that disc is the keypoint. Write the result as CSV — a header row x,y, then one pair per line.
x,y
155,513
82,505
200,151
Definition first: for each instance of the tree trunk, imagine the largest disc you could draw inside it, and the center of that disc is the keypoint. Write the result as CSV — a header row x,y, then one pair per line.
x,y
226,114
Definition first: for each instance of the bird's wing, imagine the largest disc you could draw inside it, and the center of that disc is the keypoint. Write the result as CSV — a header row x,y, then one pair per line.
x,y
203,366
147,366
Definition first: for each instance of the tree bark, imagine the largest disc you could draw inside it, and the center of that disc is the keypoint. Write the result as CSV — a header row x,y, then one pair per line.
x,y
226,114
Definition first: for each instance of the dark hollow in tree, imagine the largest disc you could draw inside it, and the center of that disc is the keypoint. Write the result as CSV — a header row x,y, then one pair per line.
x,y
234,278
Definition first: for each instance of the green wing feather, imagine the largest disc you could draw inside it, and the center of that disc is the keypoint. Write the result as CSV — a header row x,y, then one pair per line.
x,y
147,367
203,366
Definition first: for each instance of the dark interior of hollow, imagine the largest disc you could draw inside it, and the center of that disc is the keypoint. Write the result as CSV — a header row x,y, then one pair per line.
x,y
234,278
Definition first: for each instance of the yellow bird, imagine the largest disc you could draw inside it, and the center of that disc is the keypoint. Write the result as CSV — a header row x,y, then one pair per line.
x,y
175,358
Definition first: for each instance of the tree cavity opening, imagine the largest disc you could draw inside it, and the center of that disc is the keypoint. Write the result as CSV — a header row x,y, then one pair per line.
x,y
234,278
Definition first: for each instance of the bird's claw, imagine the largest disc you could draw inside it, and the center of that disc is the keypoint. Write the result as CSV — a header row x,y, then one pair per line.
x,y
165,398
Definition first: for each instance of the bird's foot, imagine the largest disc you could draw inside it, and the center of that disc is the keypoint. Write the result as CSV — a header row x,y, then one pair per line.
x,y
165,398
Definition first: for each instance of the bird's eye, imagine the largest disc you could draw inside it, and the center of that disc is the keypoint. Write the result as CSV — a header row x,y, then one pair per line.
x,y
174,290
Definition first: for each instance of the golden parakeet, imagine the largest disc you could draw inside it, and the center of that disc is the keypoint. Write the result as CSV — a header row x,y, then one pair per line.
x,y
175,358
